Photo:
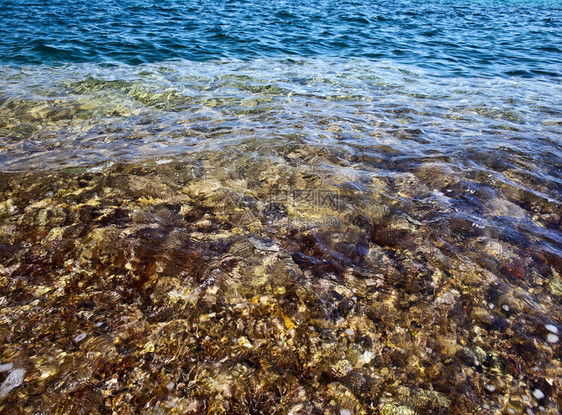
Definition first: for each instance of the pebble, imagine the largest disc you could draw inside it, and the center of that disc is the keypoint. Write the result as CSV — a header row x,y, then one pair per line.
x,y
6,366
552,328
170,386
538,394
264,245
350,332
491,388
14,379
552,338
80,337
345,412
505,307
244,342
368,357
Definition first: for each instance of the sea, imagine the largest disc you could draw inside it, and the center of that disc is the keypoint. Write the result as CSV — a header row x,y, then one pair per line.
x,y
280,206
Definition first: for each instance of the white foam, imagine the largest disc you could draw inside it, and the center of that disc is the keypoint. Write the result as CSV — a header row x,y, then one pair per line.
x,y
163,161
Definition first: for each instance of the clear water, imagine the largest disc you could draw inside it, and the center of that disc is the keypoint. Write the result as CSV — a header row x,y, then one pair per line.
x,y
377,185
81,114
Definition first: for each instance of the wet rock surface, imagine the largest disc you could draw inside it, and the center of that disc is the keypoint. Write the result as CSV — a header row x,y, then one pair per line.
x,y
273,281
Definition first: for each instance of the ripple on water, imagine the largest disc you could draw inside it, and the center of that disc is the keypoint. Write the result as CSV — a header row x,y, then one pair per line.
x,y
265,222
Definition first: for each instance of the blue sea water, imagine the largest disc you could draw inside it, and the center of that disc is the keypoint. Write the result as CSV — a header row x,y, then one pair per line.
x,y
453,37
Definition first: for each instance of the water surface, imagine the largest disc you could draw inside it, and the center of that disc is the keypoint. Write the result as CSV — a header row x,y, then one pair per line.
x,y
281,207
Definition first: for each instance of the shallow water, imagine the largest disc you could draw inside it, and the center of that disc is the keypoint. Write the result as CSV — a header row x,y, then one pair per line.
x,y
85,114
323,207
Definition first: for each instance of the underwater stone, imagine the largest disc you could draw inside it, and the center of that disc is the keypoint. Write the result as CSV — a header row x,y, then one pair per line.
x,y
538,394
368,356
14,379
6,366
552,328
264,245
468,356
552,338
390,409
